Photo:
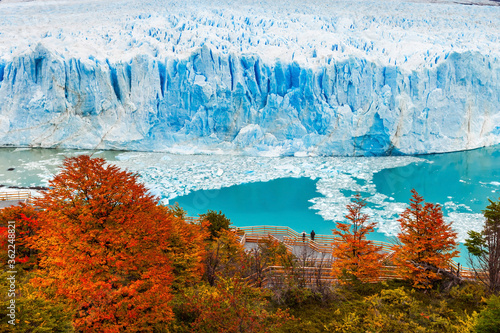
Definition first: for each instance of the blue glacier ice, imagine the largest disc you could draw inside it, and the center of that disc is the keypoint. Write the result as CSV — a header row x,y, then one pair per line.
x,y
354,78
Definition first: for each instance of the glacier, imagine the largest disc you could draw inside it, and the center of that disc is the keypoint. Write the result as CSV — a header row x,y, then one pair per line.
x,y
330,78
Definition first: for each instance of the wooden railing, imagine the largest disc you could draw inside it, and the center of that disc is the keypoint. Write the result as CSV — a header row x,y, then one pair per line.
x,y
464,272
323,244
313,275
299,241
17,195
264,230
192,219
243,239
288,247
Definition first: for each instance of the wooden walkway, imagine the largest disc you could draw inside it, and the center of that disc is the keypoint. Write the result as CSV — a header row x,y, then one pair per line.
x,y
14,198
315,255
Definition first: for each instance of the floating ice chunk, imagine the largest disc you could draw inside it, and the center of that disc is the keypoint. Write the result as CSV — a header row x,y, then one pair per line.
x,y
464,222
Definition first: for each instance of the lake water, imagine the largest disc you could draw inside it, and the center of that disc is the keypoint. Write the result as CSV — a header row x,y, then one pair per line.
x,y
466,178
283,202
302,193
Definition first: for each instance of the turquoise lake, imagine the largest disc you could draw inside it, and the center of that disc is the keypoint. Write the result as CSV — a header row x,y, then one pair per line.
x,y
468,177
302,193
283,202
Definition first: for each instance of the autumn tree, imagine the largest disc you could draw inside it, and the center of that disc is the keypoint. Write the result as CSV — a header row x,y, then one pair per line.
x,y
269,252
26,225
186,249
426,243
485,248
224,257
33,313
355,257
104,248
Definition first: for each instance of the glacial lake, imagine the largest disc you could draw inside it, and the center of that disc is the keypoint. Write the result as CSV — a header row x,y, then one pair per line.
x,y
303,193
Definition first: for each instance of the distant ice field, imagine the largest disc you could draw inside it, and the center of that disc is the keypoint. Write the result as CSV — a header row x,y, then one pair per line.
x,y
406,33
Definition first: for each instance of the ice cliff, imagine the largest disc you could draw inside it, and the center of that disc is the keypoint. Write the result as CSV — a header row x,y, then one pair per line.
x,y
254,77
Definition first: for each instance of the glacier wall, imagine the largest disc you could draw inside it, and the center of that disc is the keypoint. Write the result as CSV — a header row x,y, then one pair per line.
x,y
274,99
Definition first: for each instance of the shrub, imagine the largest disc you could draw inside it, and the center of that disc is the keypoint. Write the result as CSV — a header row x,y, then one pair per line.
x,y
488,320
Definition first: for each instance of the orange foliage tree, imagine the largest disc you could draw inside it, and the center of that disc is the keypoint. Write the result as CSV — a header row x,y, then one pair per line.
x,y
186,249
104,247
355,257
426,243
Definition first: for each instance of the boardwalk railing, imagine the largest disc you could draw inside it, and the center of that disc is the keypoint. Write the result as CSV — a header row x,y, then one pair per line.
x,y
17,195
464,272
318,247
292,237
191,219
276,275
243,239
323,244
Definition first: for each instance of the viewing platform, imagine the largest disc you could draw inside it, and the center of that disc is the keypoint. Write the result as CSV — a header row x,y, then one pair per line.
x,y
315,256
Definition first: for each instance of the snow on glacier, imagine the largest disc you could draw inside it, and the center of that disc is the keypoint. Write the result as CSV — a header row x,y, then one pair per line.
x,y
255,77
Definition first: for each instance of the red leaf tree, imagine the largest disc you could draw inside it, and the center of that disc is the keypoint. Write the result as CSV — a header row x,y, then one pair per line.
x,y
26,226
104,248
426,243
355,257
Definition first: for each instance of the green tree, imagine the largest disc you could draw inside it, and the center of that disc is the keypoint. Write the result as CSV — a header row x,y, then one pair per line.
x,y
34,313
488,320
231,306
224,257
484,248
218,222
177,210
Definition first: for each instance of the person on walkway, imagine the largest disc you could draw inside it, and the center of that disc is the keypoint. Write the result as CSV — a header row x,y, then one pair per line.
x,y
303,236
312,235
